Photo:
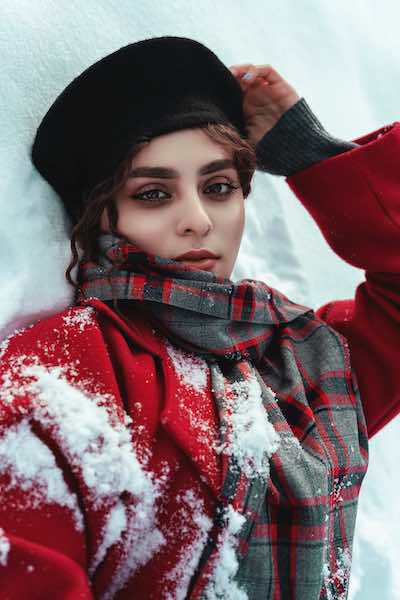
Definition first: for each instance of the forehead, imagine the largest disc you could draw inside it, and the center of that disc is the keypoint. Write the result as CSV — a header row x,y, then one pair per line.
x,y
180,150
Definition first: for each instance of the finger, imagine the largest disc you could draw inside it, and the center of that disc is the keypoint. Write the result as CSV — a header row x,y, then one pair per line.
x,y
248,76
265,71
269,73
245,75
240,70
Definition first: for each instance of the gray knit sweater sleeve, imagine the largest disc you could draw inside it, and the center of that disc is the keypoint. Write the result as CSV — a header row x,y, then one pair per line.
x,y
297,141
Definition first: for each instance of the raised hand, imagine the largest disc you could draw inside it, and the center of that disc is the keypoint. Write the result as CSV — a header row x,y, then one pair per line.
x,y
267,96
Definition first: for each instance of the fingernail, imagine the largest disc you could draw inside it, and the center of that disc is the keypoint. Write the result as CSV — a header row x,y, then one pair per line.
x,y
248,75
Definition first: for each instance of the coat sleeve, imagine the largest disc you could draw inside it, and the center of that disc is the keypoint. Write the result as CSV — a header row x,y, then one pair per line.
x,y
354,198
42,538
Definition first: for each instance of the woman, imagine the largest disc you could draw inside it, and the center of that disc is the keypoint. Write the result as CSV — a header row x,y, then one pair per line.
x,y
176,434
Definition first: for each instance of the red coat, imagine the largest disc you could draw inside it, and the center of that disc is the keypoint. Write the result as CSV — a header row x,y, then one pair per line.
x,y
54,545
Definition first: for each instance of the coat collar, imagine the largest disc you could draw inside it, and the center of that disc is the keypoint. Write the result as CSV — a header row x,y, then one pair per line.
x,y
141,334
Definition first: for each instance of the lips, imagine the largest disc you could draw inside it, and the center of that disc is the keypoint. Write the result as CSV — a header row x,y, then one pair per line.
x,y
196,255
198,259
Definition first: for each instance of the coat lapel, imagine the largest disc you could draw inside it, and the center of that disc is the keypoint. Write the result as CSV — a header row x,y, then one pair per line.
x,y
190,415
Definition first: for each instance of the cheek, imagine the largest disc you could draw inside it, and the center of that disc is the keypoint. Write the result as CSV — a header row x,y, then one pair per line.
x,y
146,229
233,223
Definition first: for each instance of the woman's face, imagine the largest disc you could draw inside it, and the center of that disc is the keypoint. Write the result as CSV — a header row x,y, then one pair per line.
x,y
178,199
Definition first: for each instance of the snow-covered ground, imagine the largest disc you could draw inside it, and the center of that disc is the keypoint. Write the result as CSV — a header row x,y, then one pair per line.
x,y
342,56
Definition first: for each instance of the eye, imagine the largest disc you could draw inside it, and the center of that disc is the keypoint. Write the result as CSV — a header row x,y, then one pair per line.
x,y
151,198
230,187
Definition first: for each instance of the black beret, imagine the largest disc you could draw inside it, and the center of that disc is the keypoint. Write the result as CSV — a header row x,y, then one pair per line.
x,y
147,88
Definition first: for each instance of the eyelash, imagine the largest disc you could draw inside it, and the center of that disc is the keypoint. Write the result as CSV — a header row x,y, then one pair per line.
x,y
161,200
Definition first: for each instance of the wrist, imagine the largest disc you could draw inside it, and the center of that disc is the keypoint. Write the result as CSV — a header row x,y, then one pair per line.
x,y
262,123
297,141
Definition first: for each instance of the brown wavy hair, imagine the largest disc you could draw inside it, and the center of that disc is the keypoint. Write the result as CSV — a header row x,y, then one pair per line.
x,y
87,229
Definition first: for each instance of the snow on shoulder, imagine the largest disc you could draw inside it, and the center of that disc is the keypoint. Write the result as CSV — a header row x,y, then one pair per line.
x,y
32,468
79,317
96,442
99,447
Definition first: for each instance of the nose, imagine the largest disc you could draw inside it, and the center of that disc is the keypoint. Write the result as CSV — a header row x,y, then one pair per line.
x,y
194,218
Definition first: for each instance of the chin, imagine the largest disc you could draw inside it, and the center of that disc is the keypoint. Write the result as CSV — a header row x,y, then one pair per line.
x,y
222,273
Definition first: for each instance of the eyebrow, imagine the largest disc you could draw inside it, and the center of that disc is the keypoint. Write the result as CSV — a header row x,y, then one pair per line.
x,y
167,173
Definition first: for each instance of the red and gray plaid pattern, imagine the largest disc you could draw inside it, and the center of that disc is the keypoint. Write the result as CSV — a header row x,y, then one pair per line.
x,y
298,536
297,540
207,314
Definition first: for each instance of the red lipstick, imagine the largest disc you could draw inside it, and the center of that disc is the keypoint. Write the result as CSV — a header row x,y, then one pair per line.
x,y
196,255
199,259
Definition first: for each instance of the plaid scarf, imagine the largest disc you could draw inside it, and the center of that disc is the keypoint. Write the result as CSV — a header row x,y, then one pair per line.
x,y
291,424
216,319
200,311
